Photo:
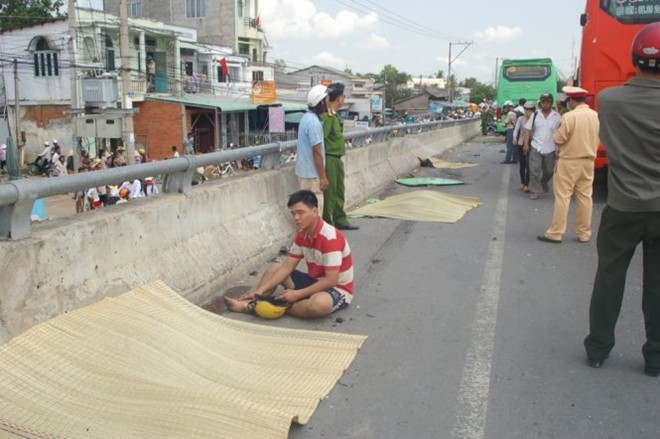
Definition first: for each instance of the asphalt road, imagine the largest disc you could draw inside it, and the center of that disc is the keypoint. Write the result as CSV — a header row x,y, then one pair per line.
x,y
475,328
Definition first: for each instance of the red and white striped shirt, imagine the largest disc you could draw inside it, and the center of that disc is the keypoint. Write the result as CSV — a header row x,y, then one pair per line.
x,y
327,249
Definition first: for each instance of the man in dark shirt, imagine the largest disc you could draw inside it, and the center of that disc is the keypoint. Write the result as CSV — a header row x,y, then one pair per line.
x,y
629,127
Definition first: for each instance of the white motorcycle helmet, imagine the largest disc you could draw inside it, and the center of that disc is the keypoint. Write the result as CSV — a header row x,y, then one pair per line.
x,y
316,95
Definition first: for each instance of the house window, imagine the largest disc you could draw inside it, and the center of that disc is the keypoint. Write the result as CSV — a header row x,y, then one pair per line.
x,y
257,75
239,8
45,59
195,8
109,55
134,9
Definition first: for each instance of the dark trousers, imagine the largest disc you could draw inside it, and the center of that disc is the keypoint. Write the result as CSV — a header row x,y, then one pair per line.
x,y
618,237
333,196
511,153
523,166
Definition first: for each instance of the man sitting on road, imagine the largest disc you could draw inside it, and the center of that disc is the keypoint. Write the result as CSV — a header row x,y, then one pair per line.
x,y
328,284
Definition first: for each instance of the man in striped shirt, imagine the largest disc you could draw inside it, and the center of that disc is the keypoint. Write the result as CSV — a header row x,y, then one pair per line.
x,y
327,286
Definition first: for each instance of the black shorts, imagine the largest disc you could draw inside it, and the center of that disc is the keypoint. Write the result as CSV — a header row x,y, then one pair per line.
x,y
303,280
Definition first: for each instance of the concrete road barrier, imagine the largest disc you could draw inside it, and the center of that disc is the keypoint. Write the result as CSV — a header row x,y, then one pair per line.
x,y
199,243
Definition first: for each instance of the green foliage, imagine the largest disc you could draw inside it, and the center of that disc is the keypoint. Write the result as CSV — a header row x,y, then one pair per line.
x,y
394,82
20,13
279,65
480,91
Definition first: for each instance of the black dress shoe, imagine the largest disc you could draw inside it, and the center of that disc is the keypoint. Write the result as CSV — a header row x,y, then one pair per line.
x,y
348,227
546,239
596,363
652,371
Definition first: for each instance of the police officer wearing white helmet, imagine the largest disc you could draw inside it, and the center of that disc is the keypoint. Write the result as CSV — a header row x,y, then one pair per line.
x,y
310,157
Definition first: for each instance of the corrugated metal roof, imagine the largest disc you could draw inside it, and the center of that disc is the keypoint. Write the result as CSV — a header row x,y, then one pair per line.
x,y
208,101
223,104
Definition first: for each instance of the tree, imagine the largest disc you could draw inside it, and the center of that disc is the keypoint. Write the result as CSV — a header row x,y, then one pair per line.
x,y
19,13
279,65
482,91
440,74
478,91
394,80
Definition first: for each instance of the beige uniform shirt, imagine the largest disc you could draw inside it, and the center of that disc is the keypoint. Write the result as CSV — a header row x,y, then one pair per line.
x,y
577,137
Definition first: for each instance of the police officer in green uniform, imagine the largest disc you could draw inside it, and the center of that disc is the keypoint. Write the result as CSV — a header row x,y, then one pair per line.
x,y
335,148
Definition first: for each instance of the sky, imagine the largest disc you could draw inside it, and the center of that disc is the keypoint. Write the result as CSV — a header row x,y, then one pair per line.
x,y
414,35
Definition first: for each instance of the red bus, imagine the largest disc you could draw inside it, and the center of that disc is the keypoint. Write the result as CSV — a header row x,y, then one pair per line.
x,y
608,28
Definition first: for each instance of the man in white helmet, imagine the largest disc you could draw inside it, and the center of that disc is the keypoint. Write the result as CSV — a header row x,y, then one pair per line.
x,y
310,158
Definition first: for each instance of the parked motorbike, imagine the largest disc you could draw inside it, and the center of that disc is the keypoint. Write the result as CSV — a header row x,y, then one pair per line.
x,y
40,166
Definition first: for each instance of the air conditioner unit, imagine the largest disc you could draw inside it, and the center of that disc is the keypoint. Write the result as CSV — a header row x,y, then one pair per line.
x,y
100,91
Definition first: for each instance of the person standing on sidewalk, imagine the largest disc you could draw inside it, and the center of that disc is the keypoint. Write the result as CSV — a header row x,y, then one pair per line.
x,y
310,153
577,142
335,148
538,134
629,127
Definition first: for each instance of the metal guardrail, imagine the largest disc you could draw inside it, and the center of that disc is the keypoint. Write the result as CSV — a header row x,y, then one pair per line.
x,y
17,197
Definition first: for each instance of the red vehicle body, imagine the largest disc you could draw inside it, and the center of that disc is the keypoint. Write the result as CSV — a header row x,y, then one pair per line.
x,y
608,28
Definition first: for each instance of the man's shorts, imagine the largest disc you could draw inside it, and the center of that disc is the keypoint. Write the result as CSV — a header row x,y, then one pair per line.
x,y
303,280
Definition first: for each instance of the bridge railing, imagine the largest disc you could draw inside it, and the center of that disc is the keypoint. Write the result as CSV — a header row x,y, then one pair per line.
x,y
17,197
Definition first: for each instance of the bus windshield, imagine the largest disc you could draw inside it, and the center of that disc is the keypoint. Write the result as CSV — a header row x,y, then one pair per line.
x,y
632,11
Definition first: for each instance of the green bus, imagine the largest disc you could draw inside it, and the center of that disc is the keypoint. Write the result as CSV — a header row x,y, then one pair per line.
x,y
524,78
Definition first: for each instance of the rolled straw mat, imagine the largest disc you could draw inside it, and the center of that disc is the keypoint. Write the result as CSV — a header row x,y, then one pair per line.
x,y
149,364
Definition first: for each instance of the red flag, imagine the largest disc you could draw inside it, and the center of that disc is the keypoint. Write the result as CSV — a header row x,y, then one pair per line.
x,y
257,22
223,64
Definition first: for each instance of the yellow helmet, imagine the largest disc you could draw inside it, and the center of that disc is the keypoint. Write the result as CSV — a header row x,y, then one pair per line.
x,y
268,307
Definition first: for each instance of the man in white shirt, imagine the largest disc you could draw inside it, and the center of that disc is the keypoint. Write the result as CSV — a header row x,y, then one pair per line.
x,y
540,145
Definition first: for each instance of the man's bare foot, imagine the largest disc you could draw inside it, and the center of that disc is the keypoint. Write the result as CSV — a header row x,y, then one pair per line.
x,y
236,305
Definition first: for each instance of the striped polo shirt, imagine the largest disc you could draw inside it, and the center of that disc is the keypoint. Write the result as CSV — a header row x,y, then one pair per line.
x,y
326,249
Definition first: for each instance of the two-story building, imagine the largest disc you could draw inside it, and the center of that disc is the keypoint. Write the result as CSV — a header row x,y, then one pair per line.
x,y
177,85
363,98
227,23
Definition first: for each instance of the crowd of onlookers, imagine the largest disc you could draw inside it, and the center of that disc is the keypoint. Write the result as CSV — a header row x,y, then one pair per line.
x,y
93,198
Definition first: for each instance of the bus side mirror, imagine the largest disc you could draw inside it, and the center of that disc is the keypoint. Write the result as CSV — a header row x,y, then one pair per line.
x,y
583,19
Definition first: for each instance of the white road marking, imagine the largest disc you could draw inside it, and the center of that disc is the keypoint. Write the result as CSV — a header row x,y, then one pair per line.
x,y
474,391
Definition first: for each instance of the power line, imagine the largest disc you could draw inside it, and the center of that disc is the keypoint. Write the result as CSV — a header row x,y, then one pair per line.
x,y
396,23
413,23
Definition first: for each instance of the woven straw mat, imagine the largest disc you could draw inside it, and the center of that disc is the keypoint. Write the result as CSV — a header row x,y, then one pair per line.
x,y
149,364
421,205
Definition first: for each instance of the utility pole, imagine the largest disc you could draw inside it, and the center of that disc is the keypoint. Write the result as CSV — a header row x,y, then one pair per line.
x,y
497,71
127,103
73,76
450,61
17,127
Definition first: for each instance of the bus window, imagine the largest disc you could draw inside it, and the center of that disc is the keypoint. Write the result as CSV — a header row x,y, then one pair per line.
x,y
527,73
632,11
